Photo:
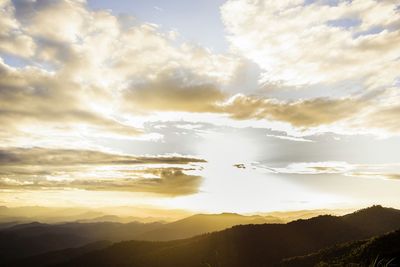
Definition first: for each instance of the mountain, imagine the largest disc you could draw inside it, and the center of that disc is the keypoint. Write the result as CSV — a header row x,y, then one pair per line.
x,y
45,214
59,256
24,240
111,218
382,249
288,216
26,214
246,245
202,223
8,224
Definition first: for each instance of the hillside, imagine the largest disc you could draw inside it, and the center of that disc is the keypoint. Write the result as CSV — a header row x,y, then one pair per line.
x,y
247,245
58,256
383,249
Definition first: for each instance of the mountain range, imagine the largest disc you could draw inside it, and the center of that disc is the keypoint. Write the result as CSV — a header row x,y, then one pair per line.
x,y
357,238
23,240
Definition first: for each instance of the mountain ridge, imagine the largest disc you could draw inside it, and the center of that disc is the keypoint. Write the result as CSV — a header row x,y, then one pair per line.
x,y
244,245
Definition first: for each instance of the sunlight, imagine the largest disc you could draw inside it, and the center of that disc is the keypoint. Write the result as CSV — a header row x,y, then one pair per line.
x,y
227,148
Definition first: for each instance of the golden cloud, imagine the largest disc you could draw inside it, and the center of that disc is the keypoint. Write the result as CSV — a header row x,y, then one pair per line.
x,y
168,182
304,113
58,169
385,118
171,93
67,157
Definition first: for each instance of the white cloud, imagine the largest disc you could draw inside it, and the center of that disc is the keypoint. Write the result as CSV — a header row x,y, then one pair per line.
x,y
13,40
375,171
329,167
290,138
91,59
300,44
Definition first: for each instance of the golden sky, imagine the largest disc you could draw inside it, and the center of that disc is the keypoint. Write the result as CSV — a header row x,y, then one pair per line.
x,y
238,105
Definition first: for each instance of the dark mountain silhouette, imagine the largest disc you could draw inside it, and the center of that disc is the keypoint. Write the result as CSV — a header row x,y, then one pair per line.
x,y
34,238
59,256
383,249
247,245
8,224
29,239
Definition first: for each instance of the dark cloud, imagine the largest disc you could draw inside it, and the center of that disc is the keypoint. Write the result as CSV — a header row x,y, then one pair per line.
x,y
44,156
40,168
167,181
239,166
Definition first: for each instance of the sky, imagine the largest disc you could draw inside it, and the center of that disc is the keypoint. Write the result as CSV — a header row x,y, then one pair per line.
x,y
203,106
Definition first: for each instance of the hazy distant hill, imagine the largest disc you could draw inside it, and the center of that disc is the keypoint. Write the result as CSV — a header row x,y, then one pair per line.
x,y
62,215
247,245
111,218
202,223
45,214
288,216
384,249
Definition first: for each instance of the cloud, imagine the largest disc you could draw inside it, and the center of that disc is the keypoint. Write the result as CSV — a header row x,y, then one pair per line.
x,y
299,43
169,95
290,138
239,166
31,95
385,118
67,157
59,169
87,71
167,181
55,20
95,75
174,93
98,77
329,167
376,175
97,47
13,40
375,171
302,113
